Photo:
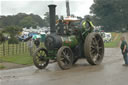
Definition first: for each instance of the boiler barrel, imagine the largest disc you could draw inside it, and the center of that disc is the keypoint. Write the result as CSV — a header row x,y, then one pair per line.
x,y
70,41
55,42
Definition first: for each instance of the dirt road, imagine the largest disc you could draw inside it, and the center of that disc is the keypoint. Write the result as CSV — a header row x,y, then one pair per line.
x,y
110,72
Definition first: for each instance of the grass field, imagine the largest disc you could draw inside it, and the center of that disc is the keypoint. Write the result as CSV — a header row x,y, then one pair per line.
x,y
23,59
115,41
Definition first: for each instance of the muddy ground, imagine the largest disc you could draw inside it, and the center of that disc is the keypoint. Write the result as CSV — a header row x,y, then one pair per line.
x,y
110,72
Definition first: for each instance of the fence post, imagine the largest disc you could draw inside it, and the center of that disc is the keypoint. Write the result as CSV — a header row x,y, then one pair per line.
x,y
26,47
8,48
20,48
23,46
16,48
12,50
3,49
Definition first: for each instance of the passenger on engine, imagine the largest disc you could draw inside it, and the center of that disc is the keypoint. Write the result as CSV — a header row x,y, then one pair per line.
x,y
60,27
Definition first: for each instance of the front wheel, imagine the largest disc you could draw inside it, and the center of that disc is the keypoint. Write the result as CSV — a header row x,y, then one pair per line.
x,y
40,58
65,57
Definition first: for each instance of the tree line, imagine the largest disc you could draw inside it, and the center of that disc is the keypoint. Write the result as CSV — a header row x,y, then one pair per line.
x,y
25,20
112,15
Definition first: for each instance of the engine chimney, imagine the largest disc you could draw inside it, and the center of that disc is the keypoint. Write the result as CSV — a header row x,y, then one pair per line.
x,y
52,12
67,8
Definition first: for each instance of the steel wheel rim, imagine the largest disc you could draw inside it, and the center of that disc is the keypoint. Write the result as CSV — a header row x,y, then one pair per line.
x,y
41,57
65,58
96,48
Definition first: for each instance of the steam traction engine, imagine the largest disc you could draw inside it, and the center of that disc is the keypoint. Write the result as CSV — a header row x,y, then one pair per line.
x,y
69,44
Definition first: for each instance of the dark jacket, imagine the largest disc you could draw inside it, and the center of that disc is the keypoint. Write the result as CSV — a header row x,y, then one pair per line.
x,y
37,42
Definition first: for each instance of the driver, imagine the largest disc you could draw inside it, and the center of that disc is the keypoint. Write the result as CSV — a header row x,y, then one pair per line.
x,y
87,24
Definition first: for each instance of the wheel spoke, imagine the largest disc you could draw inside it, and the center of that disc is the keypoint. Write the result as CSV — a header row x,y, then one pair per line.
x,y
66,52
38,54
99,56
94,42
61,59
63,53
93,51
94,39
92,47
98,40
100,48
66,55
37,59
95,58
43,53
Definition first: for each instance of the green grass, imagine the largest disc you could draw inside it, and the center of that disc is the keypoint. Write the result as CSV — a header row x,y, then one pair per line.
x,y
19,58
113,43
1,66
23,59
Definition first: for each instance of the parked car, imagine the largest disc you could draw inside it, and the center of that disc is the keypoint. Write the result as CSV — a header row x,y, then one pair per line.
x,y
107,37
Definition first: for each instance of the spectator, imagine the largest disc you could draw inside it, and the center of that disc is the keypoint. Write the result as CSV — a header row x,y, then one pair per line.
x,y
37,42
124,49
30,46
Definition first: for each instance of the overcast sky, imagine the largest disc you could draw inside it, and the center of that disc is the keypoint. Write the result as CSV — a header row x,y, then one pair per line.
x,y
12,7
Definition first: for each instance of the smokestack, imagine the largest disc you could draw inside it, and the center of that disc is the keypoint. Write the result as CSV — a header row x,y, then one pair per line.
x,y
67,8
52,12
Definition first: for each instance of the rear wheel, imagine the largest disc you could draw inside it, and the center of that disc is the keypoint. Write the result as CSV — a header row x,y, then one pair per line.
x,y
64,57
40,58
94,48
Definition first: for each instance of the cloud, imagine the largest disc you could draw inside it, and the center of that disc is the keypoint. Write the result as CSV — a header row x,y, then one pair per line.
x,y
0,8
11,7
